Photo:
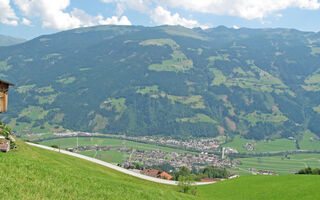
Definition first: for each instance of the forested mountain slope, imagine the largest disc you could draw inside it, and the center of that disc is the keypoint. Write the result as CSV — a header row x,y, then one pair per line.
x,y
168,80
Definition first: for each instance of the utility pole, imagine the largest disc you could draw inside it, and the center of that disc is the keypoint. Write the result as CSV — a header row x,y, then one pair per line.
x,y
77,141
59,144
222,152
124,142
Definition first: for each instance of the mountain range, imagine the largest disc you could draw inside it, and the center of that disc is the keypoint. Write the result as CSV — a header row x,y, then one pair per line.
x,y
166,80
7,40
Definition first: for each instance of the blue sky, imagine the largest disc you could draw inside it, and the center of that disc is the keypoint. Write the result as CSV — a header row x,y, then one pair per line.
x,y
31,18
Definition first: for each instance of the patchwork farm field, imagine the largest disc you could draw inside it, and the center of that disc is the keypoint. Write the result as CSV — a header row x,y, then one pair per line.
x,y
306,143
280,164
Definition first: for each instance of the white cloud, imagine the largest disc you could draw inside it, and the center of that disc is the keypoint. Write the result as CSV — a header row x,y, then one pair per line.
x,y
26,22
235,27
53,14
115,20
7,15
248,9
162,16
139,5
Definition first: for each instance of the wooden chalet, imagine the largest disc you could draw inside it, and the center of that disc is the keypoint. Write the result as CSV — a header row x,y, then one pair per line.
x,y
4,88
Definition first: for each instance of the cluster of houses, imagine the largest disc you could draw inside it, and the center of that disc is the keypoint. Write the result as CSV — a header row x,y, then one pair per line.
x,y
266,172
194,144
90,148
249,146
178,159
262,172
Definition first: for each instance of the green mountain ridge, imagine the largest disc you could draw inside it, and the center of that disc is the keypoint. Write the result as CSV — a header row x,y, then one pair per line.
x,y
166,80
8,40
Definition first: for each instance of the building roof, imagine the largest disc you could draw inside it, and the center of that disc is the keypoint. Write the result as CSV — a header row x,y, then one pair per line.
x,y
165,175
5,82
150,172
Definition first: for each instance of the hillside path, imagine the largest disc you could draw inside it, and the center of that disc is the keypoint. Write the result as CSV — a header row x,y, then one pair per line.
x,y
120,169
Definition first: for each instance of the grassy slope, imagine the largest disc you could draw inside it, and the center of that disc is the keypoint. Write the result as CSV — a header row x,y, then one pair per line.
x,y
264,188
33,173
308,143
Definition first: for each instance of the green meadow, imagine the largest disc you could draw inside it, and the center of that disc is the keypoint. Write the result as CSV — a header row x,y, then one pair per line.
x,y
285,187
111,156
280,164
262,146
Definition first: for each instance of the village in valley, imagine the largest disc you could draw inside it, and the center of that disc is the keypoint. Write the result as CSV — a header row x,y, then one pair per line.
x,y
156,157
192,153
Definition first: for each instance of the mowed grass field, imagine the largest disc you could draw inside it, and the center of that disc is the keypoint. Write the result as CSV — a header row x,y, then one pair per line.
x,y
280,164
34,173
110,156
261,146
306,142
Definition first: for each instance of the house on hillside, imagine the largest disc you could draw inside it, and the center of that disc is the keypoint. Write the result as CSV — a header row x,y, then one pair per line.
x,y
150,172
4,88
165,175
156,173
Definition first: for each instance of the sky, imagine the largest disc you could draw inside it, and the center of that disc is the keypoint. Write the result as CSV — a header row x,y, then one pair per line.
x,y
31,18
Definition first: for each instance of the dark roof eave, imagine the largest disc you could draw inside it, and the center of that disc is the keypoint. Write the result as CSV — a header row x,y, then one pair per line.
x,y
5,82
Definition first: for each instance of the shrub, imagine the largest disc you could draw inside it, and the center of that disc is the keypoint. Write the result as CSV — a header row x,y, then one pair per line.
x,y
4,130
308,170
55,146
185,184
